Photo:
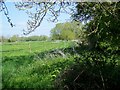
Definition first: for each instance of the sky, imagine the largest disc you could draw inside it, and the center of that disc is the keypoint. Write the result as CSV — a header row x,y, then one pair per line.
x,y
19,19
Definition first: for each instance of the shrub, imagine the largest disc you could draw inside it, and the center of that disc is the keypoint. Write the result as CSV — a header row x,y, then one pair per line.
x,y
92,71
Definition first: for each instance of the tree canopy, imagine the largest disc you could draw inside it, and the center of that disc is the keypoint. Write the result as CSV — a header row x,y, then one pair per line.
x,y
104,22
68,31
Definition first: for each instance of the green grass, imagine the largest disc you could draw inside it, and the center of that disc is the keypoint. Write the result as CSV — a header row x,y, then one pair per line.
x,y
44,68
38,74
27,48
22,68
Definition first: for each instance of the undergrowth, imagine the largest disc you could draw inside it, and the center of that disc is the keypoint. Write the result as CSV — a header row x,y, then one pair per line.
x,y
92,70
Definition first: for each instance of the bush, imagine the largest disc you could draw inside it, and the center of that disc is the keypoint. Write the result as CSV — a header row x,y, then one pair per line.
x,y
91,71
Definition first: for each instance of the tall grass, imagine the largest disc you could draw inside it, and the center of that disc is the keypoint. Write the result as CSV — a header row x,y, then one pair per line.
x,y
38,74
36,69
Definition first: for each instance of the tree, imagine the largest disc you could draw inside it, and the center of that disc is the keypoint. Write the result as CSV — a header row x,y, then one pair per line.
x,y
68,31
41,10
103,22
14,38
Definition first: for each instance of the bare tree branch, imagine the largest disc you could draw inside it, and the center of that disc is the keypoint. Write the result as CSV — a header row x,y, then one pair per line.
x,y
4,8
37,12
42,9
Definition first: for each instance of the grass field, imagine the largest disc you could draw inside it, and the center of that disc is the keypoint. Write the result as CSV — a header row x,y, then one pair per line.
x,y
47,65
24,64
27,48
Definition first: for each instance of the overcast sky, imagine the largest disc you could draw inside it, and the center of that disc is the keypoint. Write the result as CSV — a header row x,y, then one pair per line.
x,y
19,18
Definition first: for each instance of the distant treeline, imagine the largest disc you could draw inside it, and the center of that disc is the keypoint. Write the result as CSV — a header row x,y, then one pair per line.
x,y
15,38
62,31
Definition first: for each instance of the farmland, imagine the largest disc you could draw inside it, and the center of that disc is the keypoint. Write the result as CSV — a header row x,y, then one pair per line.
x,y
27,48
54,64
30,64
